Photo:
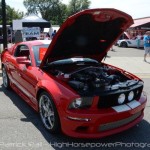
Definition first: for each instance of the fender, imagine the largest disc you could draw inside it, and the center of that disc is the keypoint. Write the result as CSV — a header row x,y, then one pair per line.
x,y
57,92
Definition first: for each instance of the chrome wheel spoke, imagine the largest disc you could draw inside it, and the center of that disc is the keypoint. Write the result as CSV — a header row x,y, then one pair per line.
x,y
45,108
51,114
50,122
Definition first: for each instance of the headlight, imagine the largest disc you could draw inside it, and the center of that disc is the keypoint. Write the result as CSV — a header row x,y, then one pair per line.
x,y
83,102
121,98
131,96
118,42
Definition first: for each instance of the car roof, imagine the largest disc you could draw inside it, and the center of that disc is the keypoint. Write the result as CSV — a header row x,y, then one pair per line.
x,y
36,42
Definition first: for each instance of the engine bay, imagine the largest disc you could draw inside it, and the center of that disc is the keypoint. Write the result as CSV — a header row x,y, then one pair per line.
x,y
94,79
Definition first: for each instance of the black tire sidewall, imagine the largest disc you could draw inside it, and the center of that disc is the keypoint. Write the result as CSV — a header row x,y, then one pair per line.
x,y
124,44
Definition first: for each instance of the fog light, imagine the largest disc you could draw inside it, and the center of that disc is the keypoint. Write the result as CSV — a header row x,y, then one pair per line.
x,y
131,96
121,98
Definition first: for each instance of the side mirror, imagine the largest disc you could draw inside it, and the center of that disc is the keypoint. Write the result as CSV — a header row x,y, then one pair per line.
x,y
23,60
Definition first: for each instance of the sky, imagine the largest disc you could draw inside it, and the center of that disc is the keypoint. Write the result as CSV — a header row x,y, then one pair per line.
x,y
135,8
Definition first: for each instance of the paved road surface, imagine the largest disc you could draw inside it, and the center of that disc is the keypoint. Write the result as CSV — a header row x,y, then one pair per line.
x,y
130,59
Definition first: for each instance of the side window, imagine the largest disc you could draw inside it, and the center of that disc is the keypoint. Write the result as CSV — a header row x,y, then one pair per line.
x,y
22,50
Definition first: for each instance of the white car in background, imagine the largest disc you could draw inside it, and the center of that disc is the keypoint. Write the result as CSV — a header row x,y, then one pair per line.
x,y
130,42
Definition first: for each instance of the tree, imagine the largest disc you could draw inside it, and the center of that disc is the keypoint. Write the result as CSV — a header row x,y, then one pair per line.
x,y
51,10
77,5
54,10
11,14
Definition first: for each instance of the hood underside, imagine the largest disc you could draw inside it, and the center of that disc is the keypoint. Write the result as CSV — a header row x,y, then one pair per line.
x,y
89,33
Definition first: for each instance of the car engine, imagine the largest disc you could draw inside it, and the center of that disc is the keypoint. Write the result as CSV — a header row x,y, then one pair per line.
x,y
96,79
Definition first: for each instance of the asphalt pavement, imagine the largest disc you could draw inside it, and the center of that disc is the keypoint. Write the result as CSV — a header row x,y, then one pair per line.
x,y
130,59
21,128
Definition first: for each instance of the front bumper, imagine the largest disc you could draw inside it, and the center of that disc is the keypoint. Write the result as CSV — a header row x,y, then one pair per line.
x,y
97,123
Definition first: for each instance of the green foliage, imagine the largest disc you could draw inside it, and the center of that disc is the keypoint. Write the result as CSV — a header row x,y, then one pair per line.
x,y
11,14
77,5
51,10
54,10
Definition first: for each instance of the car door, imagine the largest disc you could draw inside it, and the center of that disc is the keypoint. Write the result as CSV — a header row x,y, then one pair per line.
x,y
133,42
14,67
24,75
28,81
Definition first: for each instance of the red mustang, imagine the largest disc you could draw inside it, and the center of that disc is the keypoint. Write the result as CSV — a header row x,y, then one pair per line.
x,y
67,83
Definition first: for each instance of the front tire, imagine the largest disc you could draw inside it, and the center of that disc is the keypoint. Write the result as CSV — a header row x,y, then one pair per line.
x,y
48,113
123,44
6,81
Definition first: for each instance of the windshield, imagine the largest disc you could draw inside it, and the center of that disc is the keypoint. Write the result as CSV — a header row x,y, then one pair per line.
x,y
39,52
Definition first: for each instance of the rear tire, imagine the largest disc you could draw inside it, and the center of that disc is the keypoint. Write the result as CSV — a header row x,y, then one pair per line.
x,y
6,81
48,113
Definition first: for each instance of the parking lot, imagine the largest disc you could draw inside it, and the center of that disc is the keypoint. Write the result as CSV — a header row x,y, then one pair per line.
x,y
21,128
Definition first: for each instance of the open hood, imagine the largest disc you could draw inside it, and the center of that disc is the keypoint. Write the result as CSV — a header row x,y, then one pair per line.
x,y
89,33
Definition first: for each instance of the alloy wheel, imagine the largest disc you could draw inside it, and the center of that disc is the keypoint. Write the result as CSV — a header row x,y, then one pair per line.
x,y
46,111
5,78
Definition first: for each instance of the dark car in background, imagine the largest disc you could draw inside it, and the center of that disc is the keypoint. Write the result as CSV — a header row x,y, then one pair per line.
x,y
9,39
1,39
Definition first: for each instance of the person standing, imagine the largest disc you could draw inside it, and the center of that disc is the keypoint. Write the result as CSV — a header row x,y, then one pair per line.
x,y
147,44
18,36
47,37
53,34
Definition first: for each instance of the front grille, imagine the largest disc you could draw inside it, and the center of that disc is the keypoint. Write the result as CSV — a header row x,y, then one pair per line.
x,y
113,125
111,100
